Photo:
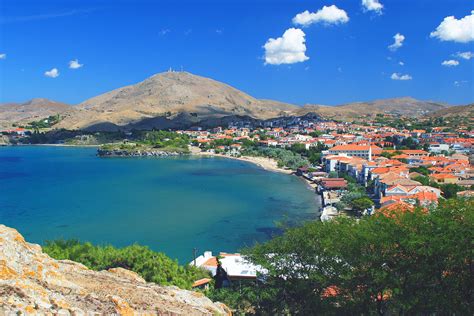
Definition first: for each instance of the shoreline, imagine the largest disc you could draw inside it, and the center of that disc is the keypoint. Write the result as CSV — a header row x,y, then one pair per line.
x,y
58,145
267,164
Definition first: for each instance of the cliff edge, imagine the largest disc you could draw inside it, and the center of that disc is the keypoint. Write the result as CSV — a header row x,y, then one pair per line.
x,y
31,282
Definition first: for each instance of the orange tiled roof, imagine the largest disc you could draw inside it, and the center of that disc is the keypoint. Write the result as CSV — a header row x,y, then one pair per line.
x,y
396,206
211,262
201,282
443,176
423,197
350,147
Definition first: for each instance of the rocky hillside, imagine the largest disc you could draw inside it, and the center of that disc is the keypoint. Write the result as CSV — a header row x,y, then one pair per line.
x,y
33,283
466,111
169,97
32,110
181,100
405,106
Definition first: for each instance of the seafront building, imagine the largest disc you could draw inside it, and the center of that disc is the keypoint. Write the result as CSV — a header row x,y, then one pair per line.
x,y
236,266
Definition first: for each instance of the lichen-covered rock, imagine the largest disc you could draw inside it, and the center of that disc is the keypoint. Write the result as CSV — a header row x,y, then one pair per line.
x,y
31,282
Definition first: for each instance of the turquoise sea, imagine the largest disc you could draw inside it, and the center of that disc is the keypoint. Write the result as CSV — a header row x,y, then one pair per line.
x,y
169,204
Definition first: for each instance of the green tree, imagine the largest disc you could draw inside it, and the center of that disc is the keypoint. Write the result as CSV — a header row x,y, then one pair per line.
x,y
450,190
409,263
421,169
361,204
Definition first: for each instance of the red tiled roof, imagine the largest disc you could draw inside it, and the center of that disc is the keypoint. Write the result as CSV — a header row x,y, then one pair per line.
x,y
211,262
201,282
353,148
443,176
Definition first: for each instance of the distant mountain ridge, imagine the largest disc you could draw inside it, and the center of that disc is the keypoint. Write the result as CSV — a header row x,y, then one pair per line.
x,y
404,106
461,110
32,110
181,99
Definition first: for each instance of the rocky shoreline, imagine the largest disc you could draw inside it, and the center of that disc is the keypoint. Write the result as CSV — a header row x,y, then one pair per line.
x,y
32,283
136,153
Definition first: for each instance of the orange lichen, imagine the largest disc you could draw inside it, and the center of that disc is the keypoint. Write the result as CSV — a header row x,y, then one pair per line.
x,y
6,272
30,309
122,307
59,303
19,238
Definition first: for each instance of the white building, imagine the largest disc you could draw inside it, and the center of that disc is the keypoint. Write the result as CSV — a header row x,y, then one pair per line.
x,y
438,148
236,266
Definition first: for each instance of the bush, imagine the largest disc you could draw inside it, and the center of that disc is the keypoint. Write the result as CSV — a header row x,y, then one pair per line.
x,y
152,266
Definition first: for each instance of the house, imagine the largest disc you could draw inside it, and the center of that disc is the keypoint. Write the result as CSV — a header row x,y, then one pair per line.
x,y
466,183
238,268
411,153
424,199
19,131
438,148
202,284
333,183
444,178
390,179
362,151
395,206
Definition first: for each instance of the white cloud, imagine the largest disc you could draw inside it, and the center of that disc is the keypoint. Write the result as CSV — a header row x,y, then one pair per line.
x,y
452,29
398,76
74,64
326,15
288,49
464,55
450,63
3,56
460,83
401,63
53,73
163,32
372,5
398,42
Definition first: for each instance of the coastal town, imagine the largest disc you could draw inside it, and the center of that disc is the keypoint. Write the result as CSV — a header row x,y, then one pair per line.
x,y
359,169
356,168
237,157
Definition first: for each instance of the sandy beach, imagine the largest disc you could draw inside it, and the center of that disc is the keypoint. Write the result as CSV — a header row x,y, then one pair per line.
x,y
263,162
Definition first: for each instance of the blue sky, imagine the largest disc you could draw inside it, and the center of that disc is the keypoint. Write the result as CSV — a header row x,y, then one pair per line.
x,y
326,59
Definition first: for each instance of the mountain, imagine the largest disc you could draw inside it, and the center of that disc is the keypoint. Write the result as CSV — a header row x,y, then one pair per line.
x,y
32,110
32,283
404,106
170,99
461,110
181,100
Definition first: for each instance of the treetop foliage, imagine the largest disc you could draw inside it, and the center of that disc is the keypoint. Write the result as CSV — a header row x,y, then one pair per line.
x,y
408,263
152,266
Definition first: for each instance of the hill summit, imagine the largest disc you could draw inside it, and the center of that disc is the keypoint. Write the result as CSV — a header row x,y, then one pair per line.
x,y
167,95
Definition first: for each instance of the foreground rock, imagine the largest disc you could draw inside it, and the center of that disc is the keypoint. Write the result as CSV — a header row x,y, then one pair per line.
x,y
32,282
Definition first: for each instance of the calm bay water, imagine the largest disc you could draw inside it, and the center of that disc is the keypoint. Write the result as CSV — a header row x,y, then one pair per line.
x,y
171,204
